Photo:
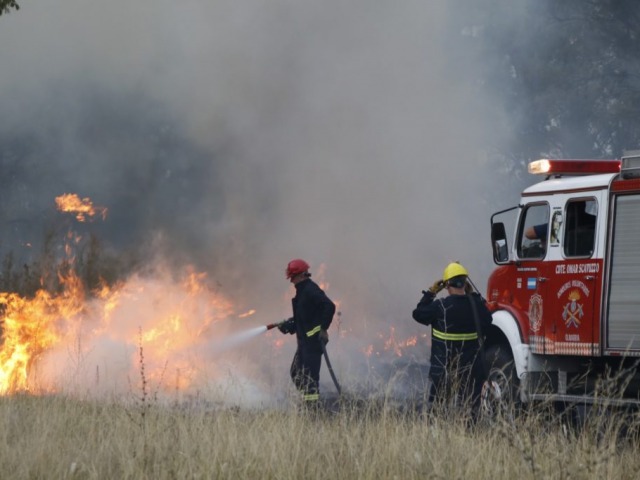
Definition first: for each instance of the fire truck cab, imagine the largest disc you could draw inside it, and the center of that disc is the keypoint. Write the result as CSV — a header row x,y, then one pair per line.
x,y
565,295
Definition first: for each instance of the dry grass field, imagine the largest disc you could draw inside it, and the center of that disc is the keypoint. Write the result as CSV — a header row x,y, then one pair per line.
x,y
54,437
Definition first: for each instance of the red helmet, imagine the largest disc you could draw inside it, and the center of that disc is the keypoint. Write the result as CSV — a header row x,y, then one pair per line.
x,y
295,267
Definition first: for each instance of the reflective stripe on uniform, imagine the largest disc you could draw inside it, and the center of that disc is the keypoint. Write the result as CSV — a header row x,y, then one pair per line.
x,y
456,337
312,397
311,333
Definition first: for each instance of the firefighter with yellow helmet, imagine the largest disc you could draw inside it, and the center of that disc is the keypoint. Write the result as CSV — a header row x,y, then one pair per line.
x,y
456,366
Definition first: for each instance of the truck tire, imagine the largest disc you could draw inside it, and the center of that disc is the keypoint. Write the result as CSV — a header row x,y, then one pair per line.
x,y
502,372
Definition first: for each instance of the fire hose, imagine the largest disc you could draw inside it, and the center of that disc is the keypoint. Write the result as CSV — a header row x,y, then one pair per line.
x,y
333,375
324,353
491,392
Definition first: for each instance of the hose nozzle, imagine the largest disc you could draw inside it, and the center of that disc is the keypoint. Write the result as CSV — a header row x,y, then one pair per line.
x,y
275,325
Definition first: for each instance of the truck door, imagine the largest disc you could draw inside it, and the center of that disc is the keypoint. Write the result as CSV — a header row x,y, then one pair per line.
x,y
531,271
575,280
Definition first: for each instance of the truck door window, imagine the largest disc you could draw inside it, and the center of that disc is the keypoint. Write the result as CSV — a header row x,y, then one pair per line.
x,y
580,228
556,225
534,230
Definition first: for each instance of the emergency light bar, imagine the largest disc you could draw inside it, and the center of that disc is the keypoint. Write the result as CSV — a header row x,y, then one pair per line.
x,y
631,165
547,166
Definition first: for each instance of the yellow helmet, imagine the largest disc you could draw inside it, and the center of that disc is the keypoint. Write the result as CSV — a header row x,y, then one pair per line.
x,y
454,269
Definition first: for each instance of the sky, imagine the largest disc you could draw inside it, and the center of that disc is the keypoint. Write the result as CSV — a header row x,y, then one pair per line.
x,y
235,136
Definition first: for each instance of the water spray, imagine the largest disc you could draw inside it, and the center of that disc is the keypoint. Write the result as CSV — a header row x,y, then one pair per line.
x,y
241,337
238,338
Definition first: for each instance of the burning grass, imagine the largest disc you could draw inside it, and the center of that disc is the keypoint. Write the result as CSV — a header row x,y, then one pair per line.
x,y
56,437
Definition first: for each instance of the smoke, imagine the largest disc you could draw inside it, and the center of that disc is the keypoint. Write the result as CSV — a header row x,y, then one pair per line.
x,y
238,135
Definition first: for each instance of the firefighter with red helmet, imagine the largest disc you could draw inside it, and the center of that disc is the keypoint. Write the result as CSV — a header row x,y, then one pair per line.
x,y
312,314
456,366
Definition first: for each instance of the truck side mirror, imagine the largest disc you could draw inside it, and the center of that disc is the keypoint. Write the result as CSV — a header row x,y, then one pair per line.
x,y
499,243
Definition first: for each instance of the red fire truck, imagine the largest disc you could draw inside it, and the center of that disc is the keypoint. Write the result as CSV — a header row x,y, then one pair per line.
x,y
565,295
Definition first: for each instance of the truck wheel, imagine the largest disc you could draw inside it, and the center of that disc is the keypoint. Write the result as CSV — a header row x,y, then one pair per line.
x,y
503,385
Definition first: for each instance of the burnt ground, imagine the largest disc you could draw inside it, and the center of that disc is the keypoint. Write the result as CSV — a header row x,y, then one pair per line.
x,y
399,384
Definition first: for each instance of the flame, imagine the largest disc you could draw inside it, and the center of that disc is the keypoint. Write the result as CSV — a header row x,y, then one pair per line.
x,y
145,319
83,208
30,327
391,344
247,314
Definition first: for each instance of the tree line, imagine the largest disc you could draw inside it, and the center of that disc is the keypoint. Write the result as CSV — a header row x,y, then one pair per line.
x,y
568,73
7,5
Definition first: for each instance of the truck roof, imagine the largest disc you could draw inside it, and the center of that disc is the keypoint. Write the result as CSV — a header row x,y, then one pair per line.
x,y
568,183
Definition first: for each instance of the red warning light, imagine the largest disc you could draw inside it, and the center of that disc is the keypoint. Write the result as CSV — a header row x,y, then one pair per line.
x,y
547,166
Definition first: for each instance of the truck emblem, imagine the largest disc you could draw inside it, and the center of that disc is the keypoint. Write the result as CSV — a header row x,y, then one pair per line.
x,y
535,312
572,312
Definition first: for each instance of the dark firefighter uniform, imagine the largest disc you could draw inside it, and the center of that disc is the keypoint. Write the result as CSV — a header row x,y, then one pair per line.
x,y
455,348
312,312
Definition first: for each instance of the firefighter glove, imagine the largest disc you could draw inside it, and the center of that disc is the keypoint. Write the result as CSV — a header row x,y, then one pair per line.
x,y
324,336
436,287
287,326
